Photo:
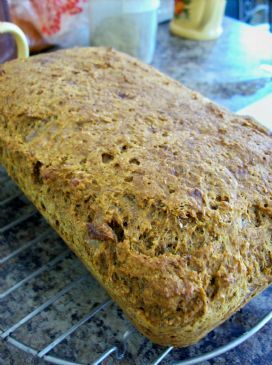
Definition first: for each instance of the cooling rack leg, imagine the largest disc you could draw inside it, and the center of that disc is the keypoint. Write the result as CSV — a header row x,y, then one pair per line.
x,y
163,355
104,356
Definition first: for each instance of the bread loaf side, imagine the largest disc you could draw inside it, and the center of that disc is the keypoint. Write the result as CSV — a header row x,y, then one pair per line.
x,y
166,197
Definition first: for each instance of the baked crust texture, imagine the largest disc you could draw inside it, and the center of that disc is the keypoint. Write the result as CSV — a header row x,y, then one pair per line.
x,y
165,196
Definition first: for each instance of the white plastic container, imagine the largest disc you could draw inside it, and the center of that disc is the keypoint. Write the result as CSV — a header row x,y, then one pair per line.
x,y
166,10
129,26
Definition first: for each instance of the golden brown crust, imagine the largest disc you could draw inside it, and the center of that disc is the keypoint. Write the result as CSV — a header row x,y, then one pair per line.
x,y
165,196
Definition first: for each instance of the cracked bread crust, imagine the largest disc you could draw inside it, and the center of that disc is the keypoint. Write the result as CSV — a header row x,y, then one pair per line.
x,y
166,197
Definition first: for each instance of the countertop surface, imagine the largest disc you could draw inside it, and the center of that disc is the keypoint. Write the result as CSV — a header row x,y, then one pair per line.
x,y
233,72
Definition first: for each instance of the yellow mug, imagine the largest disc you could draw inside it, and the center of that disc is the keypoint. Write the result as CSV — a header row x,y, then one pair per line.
x,y
20,38
198,19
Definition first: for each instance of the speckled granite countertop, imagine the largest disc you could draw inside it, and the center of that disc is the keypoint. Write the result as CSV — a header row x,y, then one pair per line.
x,y
227,71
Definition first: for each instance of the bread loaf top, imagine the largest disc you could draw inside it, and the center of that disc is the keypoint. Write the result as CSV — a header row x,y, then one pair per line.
x,y
169,195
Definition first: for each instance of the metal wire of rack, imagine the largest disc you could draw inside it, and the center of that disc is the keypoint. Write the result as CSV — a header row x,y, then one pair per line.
x,y
21,246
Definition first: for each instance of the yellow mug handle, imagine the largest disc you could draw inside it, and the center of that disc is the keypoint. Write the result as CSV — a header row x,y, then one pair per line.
x,y
20,38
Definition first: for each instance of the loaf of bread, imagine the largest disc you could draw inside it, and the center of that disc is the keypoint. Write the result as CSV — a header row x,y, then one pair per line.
x,y
166,197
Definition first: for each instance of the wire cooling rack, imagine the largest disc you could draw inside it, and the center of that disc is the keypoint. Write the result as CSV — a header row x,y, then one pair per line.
x,y
51,308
